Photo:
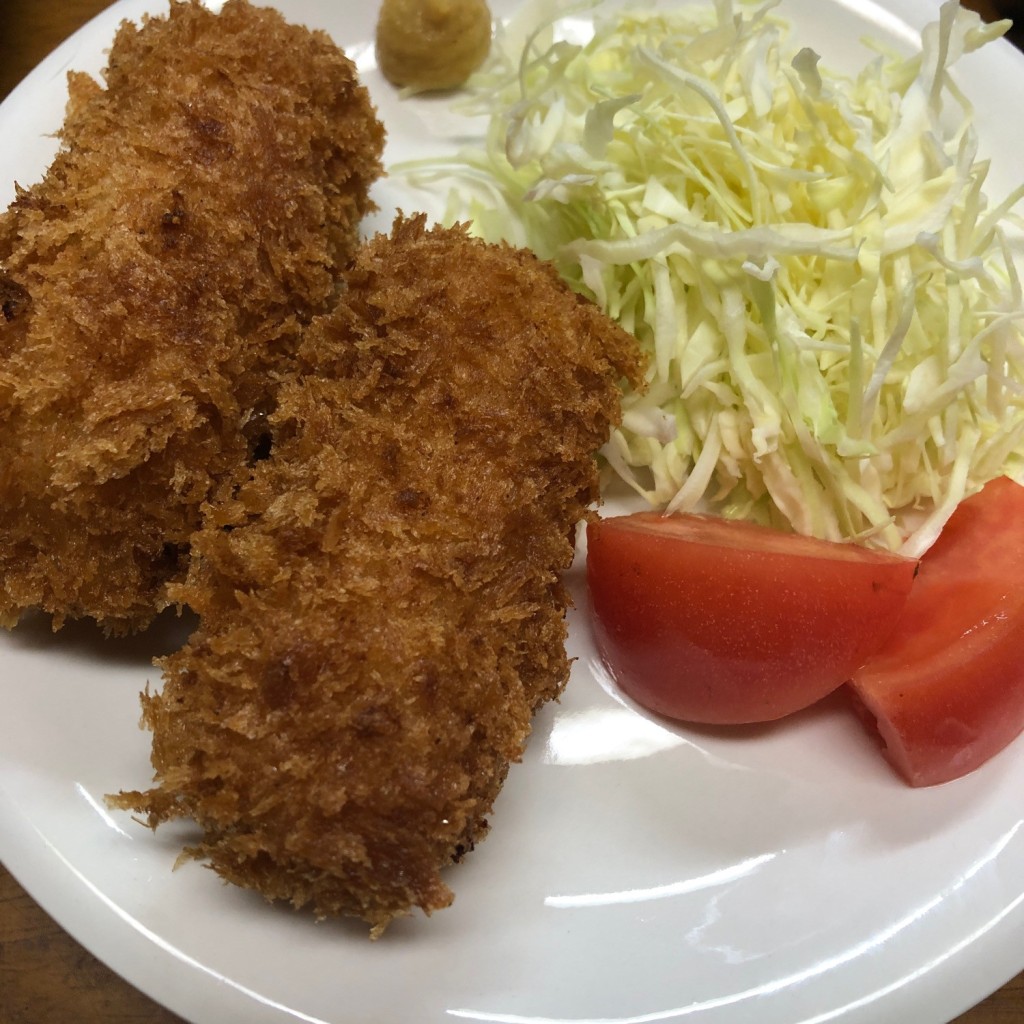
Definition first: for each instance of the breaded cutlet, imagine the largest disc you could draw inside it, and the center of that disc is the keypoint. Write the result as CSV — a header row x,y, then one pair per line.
x,y
380,609
196,216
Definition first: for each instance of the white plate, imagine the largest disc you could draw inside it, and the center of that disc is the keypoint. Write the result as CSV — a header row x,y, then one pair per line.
x,y
635,873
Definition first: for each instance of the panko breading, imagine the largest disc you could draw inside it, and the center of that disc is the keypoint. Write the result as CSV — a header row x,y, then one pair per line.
x,y
380,609
197,214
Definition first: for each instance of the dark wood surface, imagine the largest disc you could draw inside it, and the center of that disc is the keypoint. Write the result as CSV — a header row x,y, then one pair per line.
x,y
46,977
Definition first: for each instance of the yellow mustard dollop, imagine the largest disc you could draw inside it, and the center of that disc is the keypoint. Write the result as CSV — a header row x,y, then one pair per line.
x,y
428,45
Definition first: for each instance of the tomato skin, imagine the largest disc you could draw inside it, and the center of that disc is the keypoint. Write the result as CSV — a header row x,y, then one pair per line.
x,y
946,690
721,622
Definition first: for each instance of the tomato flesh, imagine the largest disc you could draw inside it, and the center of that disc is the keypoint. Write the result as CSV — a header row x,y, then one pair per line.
x,y
946,690
722,622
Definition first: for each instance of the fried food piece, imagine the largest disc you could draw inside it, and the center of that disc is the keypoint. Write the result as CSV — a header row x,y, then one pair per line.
x,y
380,610
198,213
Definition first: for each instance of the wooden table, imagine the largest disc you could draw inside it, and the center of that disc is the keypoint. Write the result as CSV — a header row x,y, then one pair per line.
x,y
45,976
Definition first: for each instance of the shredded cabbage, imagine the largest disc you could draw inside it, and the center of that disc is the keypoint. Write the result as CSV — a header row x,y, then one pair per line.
x,y
831,307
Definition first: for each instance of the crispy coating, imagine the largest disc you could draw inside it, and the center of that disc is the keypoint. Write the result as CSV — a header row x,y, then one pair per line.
x,y
196,216
380,609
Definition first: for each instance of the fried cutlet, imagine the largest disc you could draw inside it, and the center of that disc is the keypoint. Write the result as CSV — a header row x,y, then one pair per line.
x,y
380,609
196,216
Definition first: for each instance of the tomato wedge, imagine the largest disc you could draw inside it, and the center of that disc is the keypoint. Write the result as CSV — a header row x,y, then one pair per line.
x,y
708,620
946,690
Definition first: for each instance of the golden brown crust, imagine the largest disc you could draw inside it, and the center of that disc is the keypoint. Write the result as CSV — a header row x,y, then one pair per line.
x,y
197,213
380,608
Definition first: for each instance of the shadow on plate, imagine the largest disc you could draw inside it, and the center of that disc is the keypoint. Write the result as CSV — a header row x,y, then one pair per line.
x,y
84,639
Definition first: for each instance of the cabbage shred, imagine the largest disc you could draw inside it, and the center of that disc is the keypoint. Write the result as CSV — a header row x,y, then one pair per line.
x,y
831,307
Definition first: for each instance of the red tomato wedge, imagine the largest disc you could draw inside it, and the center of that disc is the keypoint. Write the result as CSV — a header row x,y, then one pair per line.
x,y
723,622
946,690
